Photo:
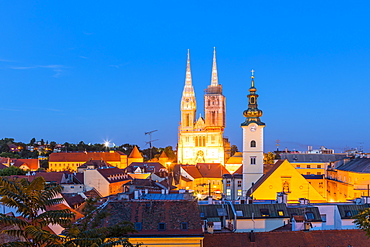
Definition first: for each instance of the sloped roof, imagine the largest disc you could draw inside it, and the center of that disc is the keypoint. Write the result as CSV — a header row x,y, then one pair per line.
x,y
302,210
135,153
320,158
289,238
151,213
150,167
248,211
163,155
348,211
114,174
73,199
361,165
56,177
86,156
96,163
265,176
192,170
237,158
33,164
212,170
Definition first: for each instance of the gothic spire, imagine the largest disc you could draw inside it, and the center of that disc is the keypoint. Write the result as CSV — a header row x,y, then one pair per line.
x,y
214,79
188,89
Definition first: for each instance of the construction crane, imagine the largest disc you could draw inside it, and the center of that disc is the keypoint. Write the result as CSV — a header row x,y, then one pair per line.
x,y
150,142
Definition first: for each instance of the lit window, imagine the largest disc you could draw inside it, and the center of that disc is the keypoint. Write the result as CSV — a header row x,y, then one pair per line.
x,y
253,160
280,212
265,212
239,192
228,192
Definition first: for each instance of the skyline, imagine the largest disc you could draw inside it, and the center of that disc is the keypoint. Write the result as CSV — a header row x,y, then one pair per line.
x,y
85,71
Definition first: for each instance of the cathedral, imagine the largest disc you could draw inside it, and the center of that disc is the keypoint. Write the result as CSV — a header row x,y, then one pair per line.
x,y
201,140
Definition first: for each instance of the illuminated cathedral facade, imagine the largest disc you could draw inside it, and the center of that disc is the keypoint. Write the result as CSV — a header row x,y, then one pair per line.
x,y
201,140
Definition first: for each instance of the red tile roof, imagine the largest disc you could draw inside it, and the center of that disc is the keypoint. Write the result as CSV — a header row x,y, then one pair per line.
x,y
332,238
33,164
212,170
135,153
85,156
114,174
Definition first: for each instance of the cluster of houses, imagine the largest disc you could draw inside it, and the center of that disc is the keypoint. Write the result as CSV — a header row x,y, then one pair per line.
x,y
192,205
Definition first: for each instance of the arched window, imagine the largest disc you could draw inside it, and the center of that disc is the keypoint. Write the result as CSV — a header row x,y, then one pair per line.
x,y
253,144
252,100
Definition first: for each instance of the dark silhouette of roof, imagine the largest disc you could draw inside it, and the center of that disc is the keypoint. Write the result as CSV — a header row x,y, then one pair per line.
x,y
323,158
361,165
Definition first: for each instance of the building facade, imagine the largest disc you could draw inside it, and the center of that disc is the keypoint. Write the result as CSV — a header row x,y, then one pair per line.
x,y
201,140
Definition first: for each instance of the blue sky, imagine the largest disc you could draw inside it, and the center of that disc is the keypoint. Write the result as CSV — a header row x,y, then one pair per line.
x,y
95,71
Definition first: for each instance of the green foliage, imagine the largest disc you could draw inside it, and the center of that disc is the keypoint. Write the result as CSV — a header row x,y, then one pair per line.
x,y
234,149
362,221
10,155
12,170
268,158
31,199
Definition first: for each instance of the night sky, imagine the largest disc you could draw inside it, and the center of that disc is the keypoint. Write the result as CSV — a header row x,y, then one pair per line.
x,y
113,70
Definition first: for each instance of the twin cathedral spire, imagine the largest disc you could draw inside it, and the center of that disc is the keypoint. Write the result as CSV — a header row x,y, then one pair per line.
x,y
201,140
214,101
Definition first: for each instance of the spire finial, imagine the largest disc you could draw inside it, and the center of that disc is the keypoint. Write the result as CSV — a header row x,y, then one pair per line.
x,y
214,79
188,80
252,76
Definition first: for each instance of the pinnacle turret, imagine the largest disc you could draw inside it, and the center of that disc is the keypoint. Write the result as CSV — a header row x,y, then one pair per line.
x,y
214,79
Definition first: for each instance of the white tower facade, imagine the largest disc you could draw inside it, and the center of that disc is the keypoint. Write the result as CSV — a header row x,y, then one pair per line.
x,y
252,141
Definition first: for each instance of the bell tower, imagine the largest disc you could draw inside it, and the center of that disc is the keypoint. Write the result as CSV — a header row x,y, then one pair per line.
x,y
252,140
214,101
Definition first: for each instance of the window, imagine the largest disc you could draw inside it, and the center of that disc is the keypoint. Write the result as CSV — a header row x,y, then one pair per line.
x,y
228,192
309,216
184,226
239,183
239,192
308,166
138,226
323,217
318,166
161,226
202,215
253,144
298,166
280,212
252,100
253,160
228,183
308,173
265,212
348,213
318,173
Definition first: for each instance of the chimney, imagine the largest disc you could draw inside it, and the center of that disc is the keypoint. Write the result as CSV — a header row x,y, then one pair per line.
x,y
252,236
282,197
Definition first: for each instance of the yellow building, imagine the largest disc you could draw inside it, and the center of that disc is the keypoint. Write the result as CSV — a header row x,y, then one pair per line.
x,y
201,140
348,179
283,177
203,178
70,161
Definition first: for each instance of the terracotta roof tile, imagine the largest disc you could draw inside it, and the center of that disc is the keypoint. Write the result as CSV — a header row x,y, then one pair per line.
x,y
135,153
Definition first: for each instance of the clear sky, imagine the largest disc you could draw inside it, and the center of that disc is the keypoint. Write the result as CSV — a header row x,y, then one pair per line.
x,y
112,70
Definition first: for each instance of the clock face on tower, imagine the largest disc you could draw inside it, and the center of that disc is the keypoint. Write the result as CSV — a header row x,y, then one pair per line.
x,y
253,127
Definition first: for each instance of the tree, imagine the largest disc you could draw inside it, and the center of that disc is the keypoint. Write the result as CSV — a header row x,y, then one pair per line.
x,y
33,140
31,199
362,221
233,149
12,170
268,158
